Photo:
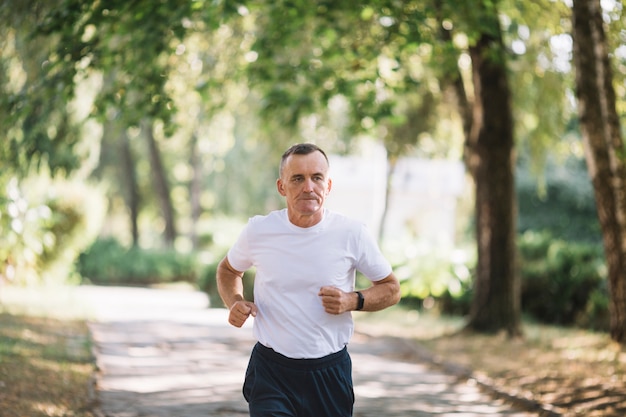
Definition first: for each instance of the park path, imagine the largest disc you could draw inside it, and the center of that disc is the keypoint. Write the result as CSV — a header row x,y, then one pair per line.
x,y
163,353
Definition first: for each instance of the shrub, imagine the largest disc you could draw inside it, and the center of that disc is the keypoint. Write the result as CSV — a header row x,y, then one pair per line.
x,y
456,304
564,205
596,316
107,262
562,282
46,225
435,281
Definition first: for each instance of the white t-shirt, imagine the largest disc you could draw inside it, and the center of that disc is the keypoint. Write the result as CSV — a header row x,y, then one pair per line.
x,y
292,264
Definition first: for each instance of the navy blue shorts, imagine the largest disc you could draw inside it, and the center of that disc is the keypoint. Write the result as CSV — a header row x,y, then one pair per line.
x,y
278,386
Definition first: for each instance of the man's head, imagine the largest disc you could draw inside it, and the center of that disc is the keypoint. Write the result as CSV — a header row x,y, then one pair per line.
x,y
304,182
300,149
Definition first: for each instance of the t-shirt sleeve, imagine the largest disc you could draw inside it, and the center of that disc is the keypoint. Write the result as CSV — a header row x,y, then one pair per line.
x,y
239,254
371,262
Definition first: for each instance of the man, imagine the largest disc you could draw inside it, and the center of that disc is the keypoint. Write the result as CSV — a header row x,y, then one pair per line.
x,y
305,258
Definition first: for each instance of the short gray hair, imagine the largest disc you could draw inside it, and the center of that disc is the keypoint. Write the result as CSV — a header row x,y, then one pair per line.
x,y
300,149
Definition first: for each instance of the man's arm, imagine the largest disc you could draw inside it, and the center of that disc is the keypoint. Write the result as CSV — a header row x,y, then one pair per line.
x,y
382,294
230,288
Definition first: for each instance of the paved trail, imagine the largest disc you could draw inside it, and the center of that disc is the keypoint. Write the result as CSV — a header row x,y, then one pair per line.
x,y
165,354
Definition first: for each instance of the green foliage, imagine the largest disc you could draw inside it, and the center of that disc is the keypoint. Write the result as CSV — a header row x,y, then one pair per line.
x,y
130,39
35,118
44,228
561,258
436,281
562,282
107,262
310,54
49,49
563,203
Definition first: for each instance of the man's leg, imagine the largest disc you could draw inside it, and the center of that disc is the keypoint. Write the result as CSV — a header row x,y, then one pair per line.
x,y
328,390
267,389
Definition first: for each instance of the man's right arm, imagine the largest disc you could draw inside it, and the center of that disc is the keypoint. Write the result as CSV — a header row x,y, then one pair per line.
x,y
230,288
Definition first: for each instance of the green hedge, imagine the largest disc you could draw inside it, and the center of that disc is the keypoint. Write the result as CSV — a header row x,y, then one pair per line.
x,y
563,203
107,262
563,282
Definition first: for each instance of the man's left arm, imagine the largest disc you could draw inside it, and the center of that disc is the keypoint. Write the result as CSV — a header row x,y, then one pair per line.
x,y
382,294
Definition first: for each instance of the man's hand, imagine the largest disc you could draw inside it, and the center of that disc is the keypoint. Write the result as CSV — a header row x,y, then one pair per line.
x,y
240,311
381,294
336,301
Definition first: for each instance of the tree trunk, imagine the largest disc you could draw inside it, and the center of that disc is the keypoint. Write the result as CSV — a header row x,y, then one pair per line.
x,y
391,168
496,300
195,190
130,187
604,149
161,184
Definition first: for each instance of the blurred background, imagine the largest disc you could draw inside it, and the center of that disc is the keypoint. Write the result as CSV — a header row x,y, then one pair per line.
x,y
138,138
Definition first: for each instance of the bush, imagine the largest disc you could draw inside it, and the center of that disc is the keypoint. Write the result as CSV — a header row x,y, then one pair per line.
x,y
562,283
107,262
45,225
564,205
455,304
435,281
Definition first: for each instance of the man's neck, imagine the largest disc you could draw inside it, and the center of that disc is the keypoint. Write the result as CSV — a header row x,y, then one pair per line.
x,y
305,221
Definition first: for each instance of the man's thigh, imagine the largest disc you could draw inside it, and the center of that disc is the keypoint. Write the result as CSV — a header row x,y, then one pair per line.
x,y
275,390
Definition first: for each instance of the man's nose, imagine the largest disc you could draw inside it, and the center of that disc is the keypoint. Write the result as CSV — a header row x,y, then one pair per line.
x,y
309,185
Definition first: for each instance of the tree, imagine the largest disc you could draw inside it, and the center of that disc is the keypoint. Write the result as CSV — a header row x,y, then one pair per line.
x,y
39,134
496,299
138,42
604,148
129,183
161,183
35,114
347,49
127,42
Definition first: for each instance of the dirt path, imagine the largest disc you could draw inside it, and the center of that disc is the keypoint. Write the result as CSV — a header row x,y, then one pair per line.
x,y
164,353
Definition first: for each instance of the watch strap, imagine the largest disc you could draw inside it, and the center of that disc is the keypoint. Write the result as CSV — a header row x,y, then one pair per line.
x,y
361,301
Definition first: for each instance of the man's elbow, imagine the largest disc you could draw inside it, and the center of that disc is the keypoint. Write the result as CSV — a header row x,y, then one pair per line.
x,y
221,269
393,292
396,293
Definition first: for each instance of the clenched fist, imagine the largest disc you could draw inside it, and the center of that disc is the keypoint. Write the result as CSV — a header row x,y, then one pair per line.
x,y
240,311
336,301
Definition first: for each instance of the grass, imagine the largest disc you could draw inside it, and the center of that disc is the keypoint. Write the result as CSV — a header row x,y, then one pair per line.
x,y
571,372
46,365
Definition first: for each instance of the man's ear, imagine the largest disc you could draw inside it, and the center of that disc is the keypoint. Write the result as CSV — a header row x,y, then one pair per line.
x,y
330,185
280,187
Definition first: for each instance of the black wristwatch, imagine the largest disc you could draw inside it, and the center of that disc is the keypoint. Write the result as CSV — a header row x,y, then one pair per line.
x,y
361,302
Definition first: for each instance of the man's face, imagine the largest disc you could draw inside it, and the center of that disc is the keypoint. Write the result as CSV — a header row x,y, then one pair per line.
x,y
305,184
